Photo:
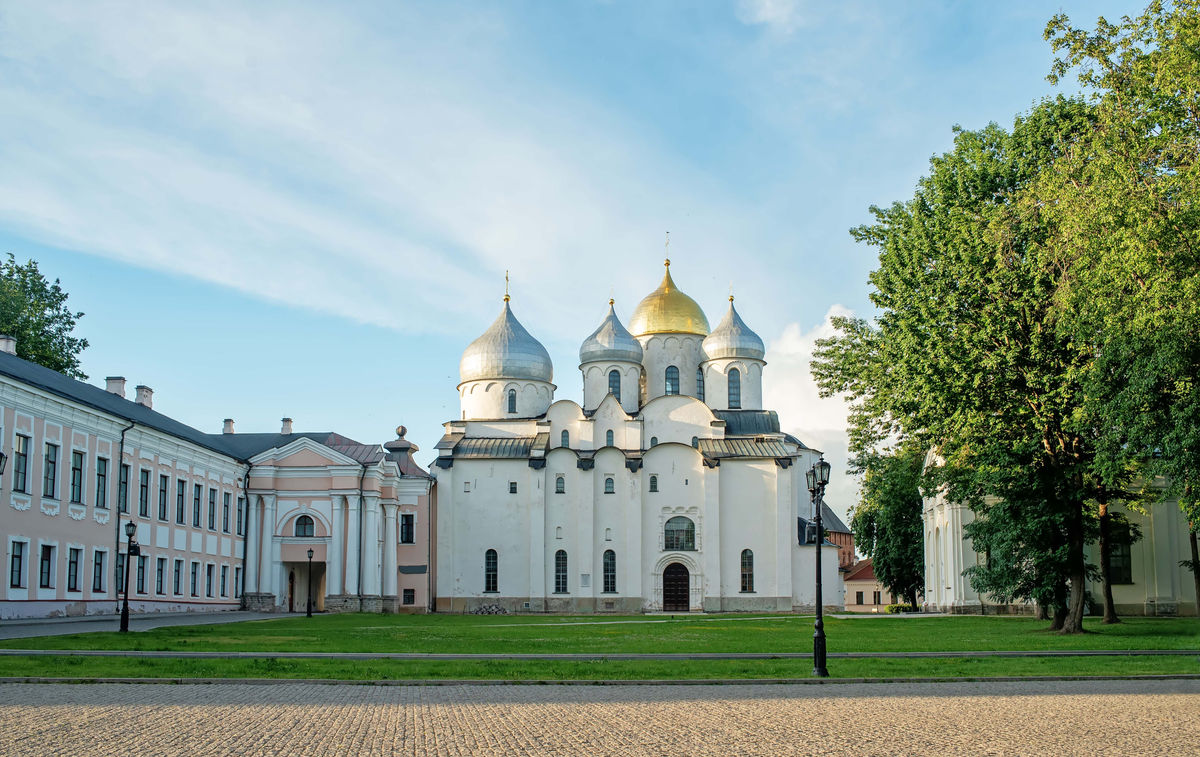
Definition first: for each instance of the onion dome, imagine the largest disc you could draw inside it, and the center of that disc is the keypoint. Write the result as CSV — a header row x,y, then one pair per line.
x,y
733,338
612,341
506,350
667,310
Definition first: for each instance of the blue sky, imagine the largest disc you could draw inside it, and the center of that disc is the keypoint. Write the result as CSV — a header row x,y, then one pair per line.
x,y
306,210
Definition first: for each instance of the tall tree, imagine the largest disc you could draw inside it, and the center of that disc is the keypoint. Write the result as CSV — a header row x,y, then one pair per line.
x,y
887,523
35,312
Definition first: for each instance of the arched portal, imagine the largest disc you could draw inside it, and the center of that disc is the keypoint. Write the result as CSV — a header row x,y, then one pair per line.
x,y
676,588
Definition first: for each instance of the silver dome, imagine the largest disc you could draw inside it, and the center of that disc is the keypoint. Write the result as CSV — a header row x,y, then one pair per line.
x,y
733,338
612,341
506,350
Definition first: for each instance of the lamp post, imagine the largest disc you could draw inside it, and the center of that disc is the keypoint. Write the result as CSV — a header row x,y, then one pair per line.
x,y
308,614
132,550
818,477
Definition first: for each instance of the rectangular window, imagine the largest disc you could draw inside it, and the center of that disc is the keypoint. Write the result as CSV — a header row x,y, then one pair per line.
x,y
410,596
73,569
177,579
212,509
76,476
560,572
46,575
180,500
224,580
102,483
858,598
50,472
208,580
196,491
121,556
237,581
225,511
512,487
195,579
1120,560
98,571
160,575
877,598
141,574
164,488
407,531
123,488
241,516
21,464
16,567
144,493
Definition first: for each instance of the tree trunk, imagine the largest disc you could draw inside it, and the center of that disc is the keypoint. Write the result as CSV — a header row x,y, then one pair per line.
x,y
1060,617
1110,609
1043,612
1073,622
1195,566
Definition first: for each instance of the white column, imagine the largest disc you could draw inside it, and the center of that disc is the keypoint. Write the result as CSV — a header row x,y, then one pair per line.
x,y
270,563
333,560
353,503
371,567
253,544
390,540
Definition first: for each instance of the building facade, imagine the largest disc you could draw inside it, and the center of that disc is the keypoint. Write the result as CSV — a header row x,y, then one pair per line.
x,y
669,488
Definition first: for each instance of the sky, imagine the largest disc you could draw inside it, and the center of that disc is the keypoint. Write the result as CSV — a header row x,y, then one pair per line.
x,y
307,209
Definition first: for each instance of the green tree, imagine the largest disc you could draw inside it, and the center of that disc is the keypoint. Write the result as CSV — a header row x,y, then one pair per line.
x,y
887,523
965,355
35,312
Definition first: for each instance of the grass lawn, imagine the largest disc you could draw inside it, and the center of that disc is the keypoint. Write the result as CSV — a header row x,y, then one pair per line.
x,y
606,634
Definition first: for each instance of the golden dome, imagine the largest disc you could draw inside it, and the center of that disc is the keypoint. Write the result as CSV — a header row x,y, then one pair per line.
x,y
667,310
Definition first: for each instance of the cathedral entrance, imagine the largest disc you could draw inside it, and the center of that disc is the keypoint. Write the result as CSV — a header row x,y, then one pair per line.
x,y
676,588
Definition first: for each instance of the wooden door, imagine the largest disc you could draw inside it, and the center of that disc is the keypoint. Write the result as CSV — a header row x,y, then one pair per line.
x,y
676,588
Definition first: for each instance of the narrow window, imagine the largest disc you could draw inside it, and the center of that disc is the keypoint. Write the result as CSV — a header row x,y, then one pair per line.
x,y
102,483
614,384
237,581
566,439
700,384
177,578
197,489
212,509
490,571
560,572
858,598
241,516
208,580
46,572
558,532
98,571
21,464
654,441
141,574
609,486
305,526
610,571
408,528
16,570
180,501
123,488
225,511
73,569
680,534
410,596
735,389
50,472
512,400
877,599
121,559
76,476
747,571
224,580
512,487
144,493
195,579
1120,562
608,534
164,487
608,438
160,575
672,380
560,485
654,483
696,442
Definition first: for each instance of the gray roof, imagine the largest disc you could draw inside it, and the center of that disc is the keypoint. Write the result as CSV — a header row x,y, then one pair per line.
x,y
611,341
485,447
506,350
749,422
831,522
732,338
246,446
738,447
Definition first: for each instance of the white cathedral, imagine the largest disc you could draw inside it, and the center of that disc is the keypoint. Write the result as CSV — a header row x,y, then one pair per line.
x,y
670,489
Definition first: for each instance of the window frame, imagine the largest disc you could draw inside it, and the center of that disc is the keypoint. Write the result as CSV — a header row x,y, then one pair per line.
x,y
180,501
408,528
226,500
654,483
610,486
564,439
671,381
673,541
123,472
50,471
734,386
16,564
78,461
99,558
512,401
609,438
73,556
21,464
101,483
46,565
609,562
491,572
164,494
560,484
700,383
614,384
143,492
310,525
747,564
560,572
212,509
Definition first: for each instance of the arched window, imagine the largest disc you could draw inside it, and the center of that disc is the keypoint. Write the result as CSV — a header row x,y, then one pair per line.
x,y
747,571
608,437
680,533
654,483
560,485
558,532
614,383
565,441
700,384
609,486
654,441
610,570
696,442
560,572
672,380
490,577
735,389
512,400
305,526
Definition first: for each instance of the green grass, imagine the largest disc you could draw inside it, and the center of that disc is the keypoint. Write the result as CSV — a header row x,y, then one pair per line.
x,y
598,635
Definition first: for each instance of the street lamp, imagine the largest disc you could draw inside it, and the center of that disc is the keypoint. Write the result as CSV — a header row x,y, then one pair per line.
x,y
132,550
309,612
818,478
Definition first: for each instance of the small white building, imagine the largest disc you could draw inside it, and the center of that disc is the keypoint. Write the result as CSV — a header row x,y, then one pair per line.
x,y
669,488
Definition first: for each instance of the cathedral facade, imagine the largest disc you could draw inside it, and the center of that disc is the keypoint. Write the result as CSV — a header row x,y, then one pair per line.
x,y
669,489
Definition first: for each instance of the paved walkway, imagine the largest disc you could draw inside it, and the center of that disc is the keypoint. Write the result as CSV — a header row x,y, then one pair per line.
x,y
21,629
1061,718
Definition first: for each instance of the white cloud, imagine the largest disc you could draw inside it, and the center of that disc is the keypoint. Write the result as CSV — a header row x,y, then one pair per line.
x,y
782,16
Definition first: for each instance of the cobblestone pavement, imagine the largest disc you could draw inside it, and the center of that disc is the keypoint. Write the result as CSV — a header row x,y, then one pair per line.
x,y
1071,717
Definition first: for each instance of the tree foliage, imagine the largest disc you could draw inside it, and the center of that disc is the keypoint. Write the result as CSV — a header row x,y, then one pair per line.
x,y
35,312
887,523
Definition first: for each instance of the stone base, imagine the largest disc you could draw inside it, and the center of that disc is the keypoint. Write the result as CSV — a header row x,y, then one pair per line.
x,y
342,603
390,605
812,609
372,603
259,602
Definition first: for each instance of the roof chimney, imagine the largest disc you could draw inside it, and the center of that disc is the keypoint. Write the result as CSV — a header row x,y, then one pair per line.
x,y
144,396
287,426
8,344
115,385
228,427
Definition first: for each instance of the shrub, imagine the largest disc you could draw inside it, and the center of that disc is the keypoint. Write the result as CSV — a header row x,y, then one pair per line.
x,y
898,608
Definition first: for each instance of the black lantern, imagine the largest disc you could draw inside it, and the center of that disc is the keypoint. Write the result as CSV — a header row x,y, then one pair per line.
x,y
308,612
818,478
132,550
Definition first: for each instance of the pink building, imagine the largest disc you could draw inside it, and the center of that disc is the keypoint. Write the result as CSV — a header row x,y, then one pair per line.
x,y
222,520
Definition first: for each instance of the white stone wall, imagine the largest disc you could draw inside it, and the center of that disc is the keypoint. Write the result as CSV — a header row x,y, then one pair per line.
x,y
488,398
716,383
661,350
595,384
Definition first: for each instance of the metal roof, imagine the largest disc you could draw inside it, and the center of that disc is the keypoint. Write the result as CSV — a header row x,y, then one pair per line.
x,y
506,447
741,447
749,422
831,522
